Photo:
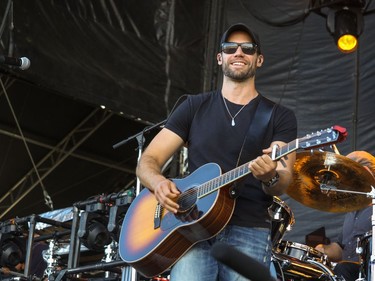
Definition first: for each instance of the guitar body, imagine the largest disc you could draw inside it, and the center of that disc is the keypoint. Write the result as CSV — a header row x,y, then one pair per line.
x,y
151,250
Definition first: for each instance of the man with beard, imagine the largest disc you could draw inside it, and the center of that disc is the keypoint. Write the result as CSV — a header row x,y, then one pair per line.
x,y
230,126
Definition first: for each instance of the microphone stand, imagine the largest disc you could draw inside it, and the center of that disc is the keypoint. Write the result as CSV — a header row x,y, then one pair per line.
x,y
326,188
117,145
140,139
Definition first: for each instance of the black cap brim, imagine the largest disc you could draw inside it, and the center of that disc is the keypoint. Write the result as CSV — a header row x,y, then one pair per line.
x,y
241,27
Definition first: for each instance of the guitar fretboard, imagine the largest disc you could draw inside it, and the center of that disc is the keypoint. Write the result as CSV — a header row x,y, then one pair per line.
x,y
241,171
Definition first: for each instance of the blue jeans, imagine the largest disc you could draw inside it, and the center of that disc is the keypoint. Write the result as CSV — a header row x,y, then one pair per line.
x,y
198,264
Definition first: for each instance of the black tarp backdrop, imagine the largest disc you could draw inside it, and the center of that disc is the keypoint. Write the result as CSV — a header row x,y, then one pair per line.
x,y
139,57
304,71
135,57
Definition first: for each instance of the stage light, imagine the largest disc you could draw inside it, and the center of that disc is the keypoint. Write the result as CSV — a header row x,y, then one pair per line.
x,y
97,236
345,25
11,254
93,231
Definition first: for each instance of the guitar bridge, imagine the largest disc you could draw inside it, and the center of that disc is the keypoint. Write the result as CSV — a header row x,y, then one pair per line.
x,y
157,216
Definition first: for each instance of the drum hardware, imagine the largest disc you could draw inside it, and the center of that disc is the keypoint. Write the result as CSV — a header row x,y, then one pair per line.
x,y
359,250
360,278
371,266
276,270
324,181
331,275
294,269
363,249
282,220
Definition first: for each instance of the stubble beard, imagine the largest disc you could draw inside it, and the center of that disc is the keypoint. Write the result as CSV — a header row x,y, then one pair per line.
x,y
238,75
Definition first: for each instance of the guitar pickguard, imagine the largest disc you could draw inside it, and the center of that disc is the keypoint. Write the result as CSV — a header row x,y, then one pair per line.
x,y
171,220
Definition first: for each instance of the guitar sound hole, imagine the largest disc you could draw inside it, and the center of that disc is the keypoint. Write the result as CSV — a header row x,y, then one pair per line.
x,y
187,200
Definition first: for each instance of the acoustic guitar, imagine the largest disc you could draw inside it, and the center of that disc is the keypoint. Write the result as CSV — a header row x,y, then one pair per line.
x,y
152,239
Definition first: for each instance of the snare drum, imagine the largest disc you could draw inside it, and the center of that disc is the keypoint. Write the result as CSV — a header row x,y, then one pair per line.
x,y
282,220
301,252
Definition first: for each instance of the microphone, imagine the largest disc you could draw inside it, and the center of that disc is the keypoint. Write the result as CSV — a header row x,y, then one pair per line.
x,y
241,263
22,63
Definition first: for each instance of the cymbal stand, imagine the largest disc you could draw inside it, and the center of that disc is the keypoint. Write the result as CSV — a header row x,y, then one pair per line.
x,y
327,188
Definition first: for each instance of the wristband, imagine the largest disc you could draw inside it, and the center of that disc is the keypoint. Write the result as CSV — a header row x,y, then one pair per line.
x,y
272,181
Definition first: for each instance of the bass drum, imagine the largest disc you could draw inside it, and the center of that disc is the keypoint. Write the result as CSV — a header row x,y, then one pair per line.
x,y
282,219
294,269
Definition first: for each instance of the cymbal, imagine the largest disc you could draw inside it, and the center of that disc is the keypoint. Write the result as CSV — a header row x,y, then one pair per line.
x,y
315,169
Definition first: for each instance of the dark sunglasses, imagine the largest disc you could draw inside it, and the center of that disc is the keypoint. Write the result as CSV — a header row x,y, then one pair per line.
x,y
231,48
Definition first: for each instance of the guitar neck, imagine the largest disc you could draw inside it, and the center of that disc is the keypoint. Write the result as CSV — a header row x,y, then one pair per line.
x,y
243,170
320,138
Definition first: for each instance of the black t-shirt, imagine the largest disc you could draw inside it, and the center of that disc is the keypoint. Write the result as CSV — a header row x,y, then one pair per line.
x,y
203,122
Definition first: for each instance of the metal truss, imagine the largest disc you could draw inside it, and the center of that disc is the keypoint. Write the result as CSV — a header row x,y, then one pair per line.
x,y
53,159
90,158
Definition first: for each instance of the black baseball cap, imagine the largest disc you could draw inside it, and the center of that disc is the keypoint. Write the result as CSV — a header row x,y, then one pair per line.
x,y
241,27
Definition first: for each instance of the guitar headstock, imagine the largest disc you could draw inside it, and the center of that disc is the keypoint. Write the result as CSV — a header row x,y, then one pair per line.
x,y
332,135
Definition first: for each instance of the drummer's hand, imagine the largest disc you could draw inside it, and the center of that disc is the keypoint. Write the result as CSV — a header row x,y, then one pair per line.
x,y
320,248
166,194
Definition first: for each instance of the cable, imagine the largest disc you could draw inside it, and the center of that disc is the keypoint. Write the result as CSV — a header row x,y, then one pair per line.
x,y
47,198
145,129
2,26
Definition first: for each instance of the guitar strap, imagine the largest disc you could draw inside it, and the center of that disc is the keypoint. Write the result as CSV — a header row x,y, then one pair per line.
x,y
255,137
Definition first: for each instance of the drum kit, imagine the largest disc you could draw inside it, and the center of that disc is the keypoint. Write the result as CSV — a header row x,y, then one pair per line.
x,y
323,181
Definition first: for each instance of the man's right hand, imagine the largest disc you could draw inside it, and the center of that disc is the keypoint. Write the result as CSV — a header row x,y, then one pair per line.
x,y
166,194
